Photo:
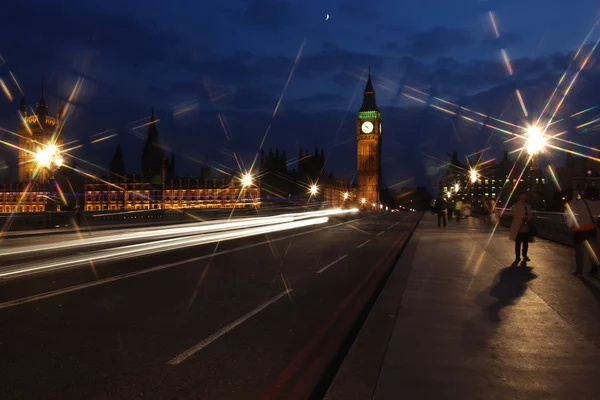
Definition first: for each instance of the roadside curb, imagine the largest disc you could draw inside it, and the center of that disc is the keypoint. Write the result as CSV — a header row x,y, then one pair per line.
x,y
342,377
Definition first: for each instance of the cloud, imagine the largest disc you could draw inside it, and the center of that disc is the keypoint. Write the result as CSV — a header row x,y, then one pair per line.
x,y
504,41
357,9
392,45
274,15
437,41
318,101
397,28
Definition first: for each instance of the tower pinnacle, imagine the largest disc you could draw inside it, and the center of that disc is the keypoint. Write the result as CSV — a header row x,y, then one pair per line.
x,y
369,102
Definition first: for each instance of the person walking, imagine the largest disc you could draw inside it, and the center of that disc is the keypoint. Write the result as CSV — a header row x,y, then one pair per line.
x,y
520,228
583,217
441,207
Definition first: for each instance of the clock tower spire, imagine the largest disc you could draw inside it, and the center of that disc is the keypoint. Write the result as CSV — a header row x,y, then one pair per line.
x,y
368,137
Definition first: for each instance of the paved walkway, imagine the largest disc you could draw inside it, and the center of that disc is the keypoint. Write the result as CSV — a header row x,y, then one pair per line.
x,y
456,321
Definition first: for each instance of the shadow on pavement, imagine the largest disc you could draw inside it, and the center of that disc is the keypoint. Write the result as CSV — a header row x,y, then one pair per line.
x,y
593,288
510,284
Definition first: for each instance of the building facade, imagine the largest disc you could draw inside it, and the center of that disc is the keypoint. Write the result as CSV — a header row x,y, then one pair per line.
x,y
368,138
37,131
129,194
494,181
24,198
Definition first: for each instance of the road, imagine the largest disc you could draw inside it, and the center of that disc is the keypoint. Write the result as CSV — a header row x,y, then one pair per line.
x,y
258,317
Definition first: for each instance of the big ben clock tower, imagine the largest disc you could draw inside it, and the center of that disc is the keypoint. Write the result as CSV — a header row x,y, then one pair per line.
x,y
368,137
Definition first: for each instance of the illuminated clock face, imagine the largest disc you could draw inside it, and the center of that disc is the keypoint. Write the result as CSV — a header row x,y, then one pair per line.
x,y
367,127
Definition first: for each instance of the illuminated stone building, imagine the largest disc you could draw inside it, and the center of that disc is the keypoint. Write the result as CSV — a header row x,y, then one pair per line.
x,y
129,194
494,181
37,130
368,135
157,188
24,199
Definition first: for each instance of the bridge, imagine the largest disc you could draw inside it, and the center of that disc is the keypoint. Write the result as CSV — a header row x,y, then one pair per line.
x,y
297,304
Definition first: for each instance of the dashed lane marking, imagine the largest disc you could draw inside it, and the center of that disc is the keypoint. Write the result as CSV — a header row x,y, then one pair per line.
x,y
380,233
332,263
196,348
362,244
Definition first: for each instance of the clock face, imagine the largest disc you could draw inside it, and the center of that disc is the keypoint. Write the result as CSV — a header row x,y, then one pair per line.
x,y
367,127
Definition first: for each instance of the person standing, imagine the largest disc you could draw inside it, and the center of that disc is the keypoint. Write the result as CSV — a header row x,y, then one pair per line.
x,y
449,209
520,227
582,216
78,214
441,207
458,206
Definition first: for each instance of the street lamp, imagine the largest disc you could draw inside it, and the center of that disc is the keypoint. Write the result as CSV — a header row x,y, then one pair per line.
x,y
473,176
247,180
314,190
49,157
346,195
363,201
535,140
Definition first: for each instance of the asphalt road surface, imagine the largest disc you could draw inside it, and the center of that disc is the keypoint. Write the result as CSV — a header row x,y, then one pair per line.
x,y
254,318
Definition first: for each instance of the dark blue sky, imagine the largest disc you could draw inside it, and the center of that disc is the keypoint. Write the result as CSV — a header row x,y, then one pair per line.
x,y
232,58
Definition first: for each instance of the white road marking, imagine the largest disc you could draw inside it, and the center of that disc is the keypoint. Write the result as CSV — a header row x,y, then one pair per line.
x,y
70,289
196,348
332,263
361,245
380,233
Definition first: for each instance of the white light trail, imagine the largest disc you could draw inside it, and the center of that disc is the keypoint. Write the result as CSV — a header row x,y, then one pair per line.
x,y
177,231
145,249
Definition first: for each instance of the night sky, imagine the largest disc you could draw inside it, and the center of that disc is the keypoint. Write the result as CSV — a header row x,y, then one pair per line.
x,y
206,65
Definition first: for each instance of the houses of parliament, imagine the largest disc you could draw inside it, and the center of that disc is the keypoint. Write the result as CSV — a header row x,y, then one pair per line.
x,y
157,187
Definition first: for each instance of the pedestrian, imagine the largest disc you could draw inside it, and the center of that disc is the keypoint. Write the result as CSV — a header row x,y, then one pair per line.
x,y
583,217
449,209
78,214
441,208
458,206
520,228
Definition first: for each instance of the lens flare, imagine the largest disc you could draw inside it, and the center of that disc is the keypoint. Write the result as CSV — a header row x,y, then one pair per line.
x,y
535,140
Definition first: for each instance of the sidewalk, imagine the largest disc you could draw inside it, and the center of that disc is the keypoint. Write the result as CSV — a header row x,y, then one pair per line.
x,y
456,322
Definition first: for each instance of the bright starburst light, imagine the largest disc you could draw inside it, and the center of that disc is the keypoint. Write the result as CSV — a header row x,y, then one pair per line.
x,y
535,140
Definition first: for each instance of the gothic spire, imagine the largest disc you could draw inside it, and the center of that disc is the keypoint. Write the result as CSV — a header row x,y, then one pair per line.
x,y
23,106
369,103
41,107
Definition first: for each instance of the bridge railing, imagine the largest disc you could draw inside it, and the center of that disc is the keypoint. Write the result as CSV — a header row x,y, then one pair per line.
x,y
550,226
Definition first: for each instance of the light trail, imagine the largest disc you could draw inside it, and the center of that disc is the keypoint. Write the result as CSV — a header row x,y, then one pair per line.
x,y
146,249
178,231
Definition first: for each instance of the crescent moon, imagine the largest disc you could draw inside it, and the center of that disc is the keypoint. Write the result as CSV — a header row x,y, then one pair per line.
x,y
327,17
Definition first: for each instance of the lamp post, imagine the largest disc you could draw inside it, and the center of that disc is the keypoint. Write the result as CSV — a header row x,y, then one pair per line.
x,y
48,157
535,141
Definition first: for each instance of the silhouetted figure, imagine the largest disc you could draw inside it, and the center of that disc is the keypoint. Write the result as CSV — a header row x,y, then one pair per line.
x,y
583,217
441,207
520,228
78,214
